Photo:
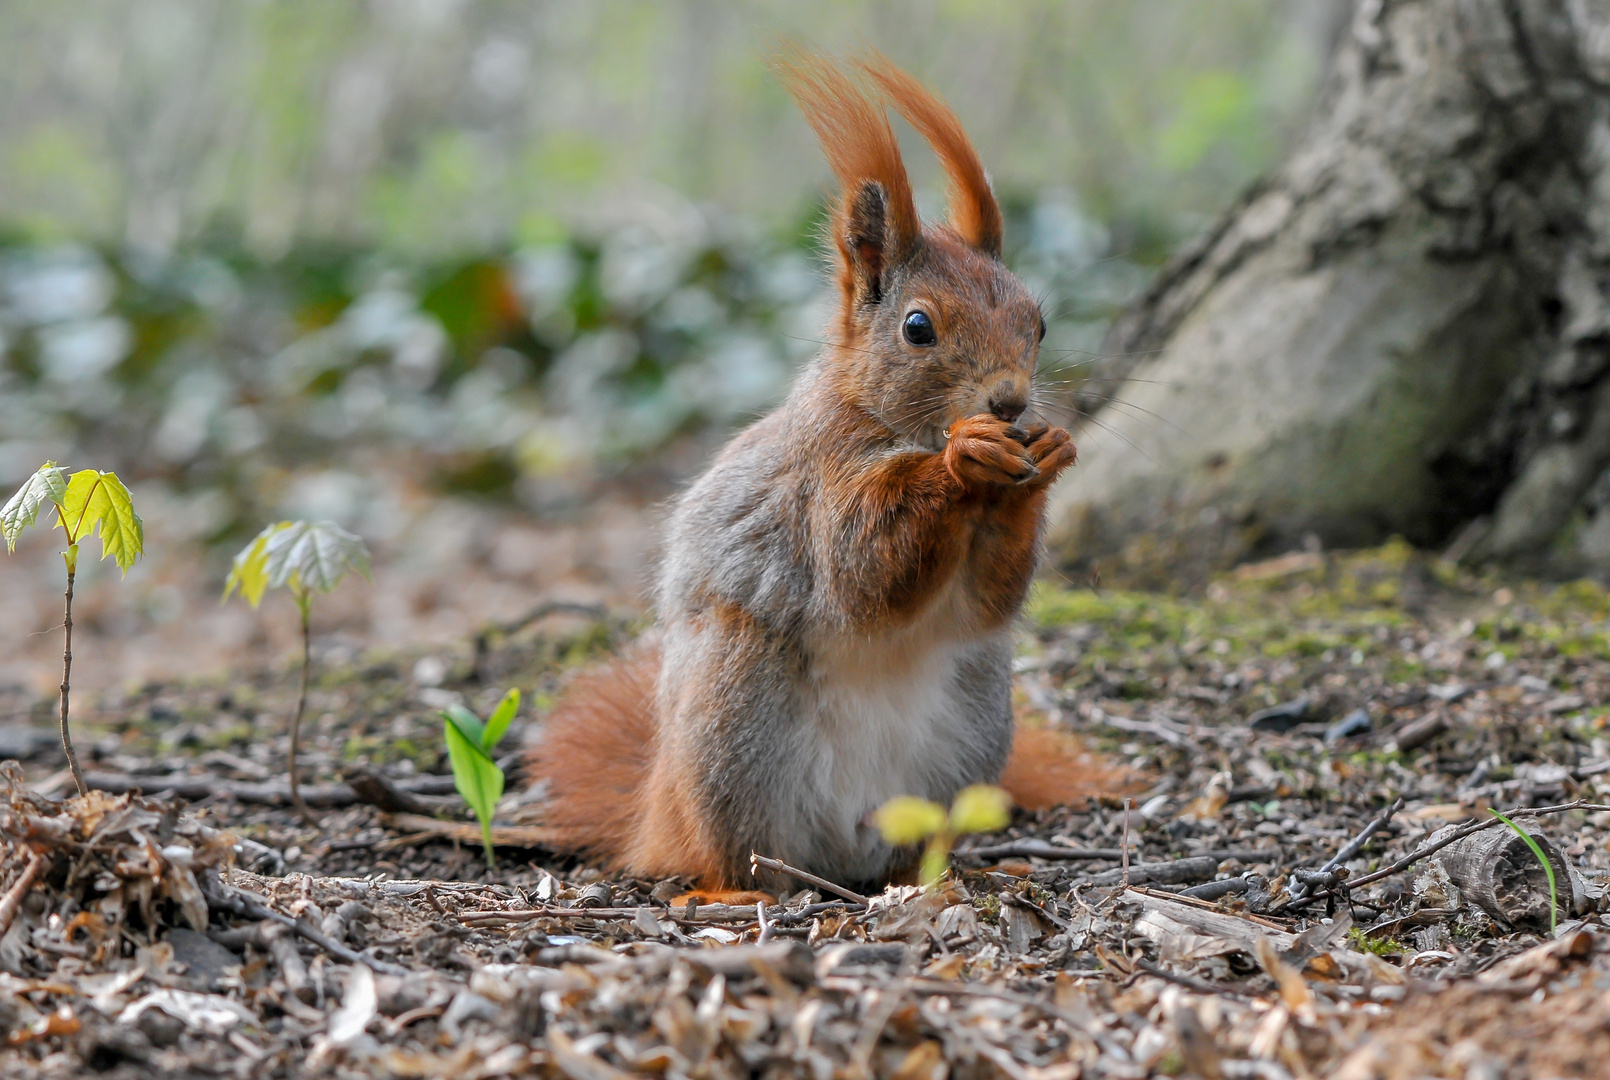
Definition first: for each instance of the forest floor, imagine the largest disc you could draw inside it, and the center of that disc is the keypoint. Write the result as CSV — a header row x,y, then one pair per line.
x,y
203,929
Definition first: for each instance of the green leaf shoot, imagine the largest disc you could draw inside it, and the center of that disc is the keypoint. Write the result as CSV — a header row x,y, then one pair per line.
x,y
980,808
302,556
305,557
498,722
478,780
48,486
469,747
1548,869
87,502
906,820
468,724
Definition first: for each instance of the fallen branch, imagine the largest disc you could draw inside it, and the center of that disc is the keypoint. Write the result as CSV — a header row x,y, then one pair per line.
x,y
1041,849
1327,875
706,914
483,639
378,790
1198,985
1355,845
238,903
757,861
12,901
421,827
1179,872
266,793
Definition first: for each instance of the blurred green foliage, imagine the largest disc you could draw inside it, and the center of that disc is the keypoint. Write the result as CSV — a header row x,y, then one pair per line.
x,y
438,125
249,250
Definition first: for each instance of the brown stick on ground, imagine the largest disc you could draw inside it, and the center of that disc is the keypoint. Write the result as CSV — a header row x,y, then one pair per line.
x,y
809,878
528,836
11,903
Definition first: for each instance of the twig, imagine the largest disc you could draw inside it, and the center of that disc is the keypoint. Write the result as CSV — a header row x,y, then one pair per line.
x,y
483,640
265,793
1199,985
66,682
301,706
424,828
765,924
378,790
1299,891
758,861
1041,849
12,901
1187,871
706,914
1125,847
235,901
1355,845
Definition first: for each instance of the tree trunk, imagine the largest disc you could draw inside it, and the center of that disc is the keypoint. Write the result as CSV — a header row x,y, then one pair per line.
x,y
1404,330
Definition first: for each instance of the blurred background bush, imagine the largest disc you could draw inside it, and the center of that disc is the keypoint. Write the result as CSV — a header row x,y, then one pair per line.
x,y
330,259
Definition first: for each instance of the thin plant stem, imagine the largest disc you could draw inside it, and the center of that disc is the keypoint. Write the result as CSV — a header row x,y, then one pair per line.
x,y
304,606
66,684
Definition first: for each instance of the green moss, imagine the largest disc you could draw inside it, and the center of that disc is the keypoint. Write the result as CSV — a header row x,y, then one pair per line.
x,y
988,907
1383,946
227,736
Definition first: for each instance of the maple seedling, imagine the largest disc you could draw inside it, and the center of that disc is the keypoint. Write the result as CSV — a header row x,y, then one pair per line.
x,y
84,501
469,746
304,557
906,820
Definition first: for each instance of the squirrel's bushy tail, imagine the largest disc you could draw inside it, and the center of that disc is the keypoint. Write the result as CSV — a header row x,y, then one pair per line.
x,y
1052,768
596,752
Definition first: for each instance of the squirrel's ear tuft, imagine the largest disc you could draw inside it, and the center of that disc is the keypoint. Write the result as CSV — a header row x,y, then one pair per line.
x,y
875,224
974,214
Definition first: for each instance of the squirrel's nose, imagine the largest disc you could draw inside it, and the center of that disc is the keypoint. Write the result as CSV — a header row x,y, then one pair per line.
x,y
1007,407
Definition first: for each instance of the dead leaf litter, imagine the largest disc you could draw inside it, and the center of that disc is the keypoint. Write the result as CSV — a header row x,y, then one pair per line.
x,y
1309,888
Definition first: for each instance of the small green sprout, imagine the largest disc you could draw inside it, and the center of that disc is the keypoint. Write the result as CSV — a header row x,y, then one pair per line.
x,y
304,557
906,819
83,501
1554,899
469,745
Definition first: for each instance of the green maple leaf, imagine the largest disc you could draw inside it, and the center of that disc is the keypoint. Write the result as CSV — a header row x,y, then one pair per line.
x,y
304,556
95,498
47,486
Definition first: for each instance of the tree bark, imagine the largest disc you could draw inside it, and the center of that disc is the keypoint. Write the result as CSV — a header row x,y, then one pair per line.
x,y
1404,330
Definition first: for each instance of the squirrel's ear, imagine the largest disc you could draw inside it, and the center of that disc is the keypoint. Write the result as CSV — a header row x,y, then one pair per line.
x,y
875,224
864,241
974,213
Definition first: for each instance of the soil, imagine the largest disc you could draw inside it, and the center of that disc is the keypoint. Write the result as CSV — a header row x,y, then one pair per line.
x,y
1272,719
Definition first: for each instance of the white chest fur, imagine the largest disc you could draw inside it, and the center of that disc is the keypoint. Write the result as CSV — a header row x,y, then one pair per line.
x,y
883,716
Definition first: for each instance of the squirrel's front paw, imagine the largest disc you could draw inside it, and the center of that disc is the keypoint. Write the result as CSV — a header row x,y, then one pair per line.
x,y
1051,449
984,450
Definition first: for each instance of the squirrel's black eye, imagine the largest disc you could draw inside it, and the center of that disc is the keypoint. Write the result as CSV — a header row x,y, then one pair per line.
x,y
1042,327
919,329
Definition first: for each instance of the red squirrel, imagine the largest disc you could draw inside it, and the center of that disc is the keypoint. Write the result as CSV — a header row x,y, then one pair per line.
x,y
838,591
